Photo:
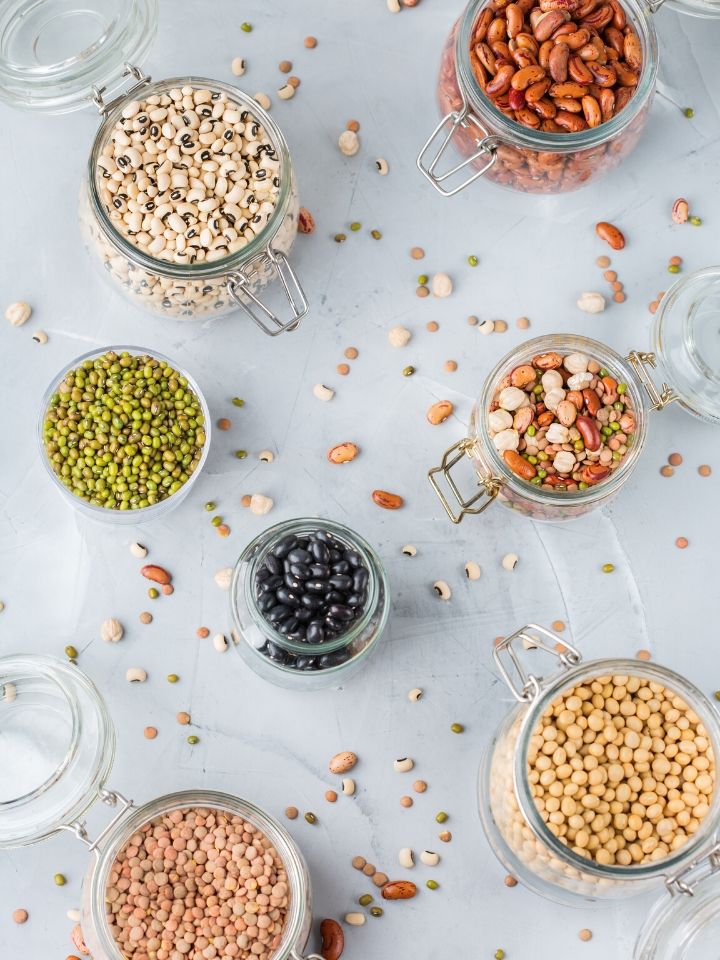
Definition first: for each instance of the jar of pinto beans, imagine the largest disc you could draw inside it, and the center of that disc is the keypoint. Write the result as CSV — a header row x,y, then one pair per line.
x,y
543,96
601,784
165,878
562,420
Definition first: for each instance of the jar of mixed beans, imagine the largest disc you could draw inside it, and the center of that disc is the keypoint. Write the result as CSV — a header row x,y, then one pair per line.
x,y
561,421
309,601
190,202
601,783
247,880
544,96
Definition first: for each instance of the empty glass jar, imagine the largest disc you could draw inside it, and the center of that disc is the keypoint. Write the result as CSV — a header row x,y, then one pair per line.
x,y
58,749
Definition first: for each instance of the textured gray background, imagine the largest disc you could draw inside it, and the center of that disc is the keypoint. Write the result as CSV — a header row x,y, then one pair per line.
x,y
61,576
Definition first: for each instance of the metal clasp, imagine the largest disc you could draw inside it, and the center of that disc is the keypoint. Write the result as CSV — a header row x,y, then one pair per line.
x,y
487,146
658,399
489,485
239,286
141,80
309,956
78,827
530,688
654,5
705,866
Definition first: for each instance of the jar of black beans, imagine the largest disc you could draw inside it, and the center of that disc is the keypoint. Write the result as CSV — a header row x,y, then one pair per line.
x,y
309,600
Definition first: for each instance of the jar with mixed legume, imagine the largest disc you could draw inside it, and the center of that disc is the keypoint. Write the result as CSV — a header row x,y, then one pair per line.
x,y
557,429
602,782
191,203
124,434
309,602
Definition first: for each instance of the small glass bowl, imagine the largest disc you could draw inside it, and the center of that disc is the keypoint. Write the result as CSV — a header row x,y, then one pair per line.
x,y
251,630
104,514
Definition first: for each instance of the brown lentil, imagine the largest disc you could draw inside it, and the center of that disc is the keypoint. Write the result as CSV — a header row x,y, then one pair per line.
x,y
359,863
368,869
500,326
291,813
704,470
522,323
420,786
472,321
417,253
603,262
619,297
217,864
353,125
294,82
285,66
422,292
610,276
590,750
643,655
675,459
406,801
432,326
667,471
510,881
146,617
245,500
380,879
330,796
351,353
445,836
224,424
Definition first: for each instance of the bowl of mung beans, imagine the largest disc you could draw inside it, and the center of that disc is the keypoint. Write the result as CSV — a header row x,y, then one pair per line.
x,y
601,783
124,434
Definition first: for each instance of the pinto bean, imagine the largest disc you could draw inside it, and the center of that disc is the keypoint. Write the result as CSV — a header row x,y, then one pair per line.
x,y
558,62
548,23
592,112
501,81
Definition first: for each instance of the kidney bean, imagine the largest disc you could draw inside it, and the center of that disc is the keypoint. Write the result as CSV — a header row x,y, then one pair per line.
x,y
589,432
519,465
610,234
594,473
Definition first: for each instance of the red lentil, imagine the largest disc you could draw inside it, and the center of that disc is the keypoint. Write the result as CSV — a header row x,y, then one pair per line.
x,y
353,125
704,470
422,292
451,366
643,655
310,43
667,471
168,589
291,813
343,369
150,733
20,915
675,459
146,617
224,423
558,626
585,935
330,796
202,632
610,275
420,786
433,327
223,530
245,500
285,66
500,326
619,297
406,801
510,881
681,543
417,253
352,353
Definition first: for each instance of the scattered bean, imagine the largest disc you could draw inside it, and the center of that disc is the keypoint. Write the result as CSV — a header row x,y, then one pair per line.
x,y
442,285
136,675
111,630
591,302
18,313
349,143
442,589
403,765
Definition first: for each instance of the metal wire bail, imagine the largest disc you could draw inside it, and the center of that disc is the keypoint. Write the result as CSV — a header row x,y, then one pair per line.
x,y
487,146
239,285
489,485
658,398
530,685
142,79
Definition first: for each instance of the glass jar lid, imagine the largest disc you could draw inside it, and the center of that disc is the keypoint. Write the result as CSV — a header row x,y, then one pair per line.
x,y
696,8
57,744
54,54
684,924
686,341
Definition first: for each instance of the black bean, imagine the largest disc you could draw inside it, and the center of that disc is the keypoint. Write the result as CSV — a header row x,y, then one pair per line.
x,y
335,555
292,582
322,536
359,580
341,581
354,559
287,597
311,602
266,602
320,570
319,551
306,663
355,599
262,574
299,555
272,583
315,632
333,659
342,566
337,625
300,570
317,586
341,612
303,614
283,548
275,652
274,564
278,613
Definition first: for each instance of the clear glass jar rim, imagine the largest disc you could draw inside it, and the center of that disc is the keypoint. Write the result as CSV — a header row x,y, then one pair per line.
x,y
217,268
143,513
377,580
136,817
588,670
546,343
519,135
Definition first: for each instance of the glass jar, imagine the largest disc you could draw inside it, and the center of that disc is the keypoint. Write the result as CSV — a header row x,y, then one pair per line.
x,y
515,828
684,340
301,665
58,748
515,156
53,68
131,515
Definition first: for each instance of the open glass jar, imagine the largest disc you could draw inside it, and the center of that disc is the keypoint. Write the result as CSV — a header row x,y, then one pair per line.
x,y
493,144
58,748
58,57
141,500
684,340
307,663
516,821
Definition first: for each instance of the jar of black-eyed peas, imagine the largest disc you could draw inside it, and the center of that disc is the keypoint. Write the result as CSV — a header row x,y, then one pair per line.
x,y
190,203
